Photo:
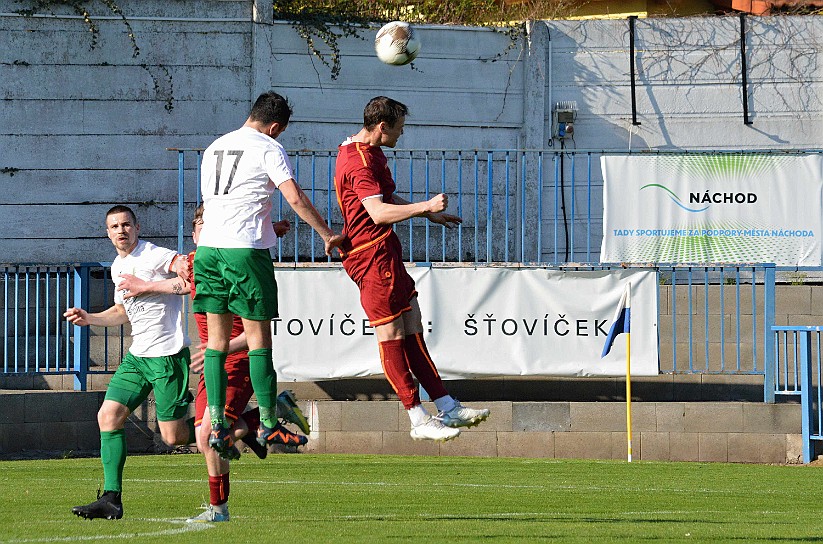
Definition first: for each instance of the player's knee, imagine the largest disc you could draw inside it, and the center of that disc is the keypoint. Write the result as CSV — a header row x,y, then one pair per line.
x,y
109,419
175,436
202,435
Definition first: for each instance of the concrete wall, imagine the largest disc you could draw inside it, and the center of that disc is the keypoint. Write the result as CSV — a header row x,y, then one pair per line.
x,y
85,127
48,423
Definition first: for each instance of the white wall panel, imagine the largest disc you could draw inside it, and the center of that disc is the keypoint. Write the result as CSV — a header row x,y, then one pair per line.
x,y
82,128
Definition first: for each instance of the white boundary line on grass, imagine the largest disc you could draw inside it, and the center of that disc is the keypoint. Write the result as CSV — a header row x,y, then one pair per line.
x,y
186,528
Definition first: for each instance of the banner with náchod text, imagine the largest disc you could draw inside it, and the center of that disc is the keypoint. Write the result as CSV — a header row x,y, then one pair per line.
x,y
718,208
477,321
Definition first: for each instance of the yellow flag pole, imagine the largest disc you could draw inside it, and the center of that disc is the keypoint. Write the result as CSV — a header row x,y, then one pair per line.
x,y
629,383
629,395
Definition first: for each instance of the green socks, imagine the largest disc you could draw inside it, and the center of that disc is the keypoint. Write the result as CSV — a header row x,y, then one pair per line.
x,y
113,455
214,374
264,383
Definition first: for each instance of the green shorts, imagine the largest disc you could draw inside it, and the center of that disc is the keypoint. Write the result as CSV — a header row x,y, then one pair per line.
x,y
168,376
235,280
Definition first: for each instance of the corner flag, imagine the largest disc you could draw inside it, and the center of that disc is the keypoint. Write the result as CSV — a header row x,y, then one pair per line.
x,y
621,320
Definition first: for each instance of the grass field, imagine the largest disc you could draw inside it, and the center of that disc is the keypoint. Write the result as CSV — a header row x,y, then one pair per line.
x,y
355,498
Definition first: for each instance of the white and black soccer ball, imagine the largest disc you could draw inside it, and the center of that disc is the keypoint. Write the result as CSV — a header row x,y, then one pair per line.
x,y
396,43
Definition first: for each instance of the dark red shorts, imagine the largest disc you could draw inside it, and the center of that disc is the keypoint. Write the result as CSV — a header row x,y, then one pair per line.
x,y
238,391
386,288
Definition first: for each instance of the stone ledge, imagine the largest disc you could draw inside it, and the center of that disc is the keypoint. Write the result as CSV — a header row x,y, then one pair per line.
x,y
707,432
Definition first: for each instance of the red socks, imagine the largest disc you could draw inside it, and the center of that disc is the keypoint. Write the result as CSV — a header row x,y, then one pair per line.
x,y
422,366
219,489
396,368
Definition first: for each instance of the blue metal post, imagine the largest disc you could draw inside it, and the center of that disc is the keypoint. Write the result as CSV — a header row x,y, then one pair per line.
x,y
81,334
805,348
180,199
769,359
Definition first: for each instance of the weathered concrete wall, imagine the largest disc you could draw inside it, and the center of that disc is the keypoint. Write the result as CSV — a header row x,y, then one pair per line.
x,y
83,128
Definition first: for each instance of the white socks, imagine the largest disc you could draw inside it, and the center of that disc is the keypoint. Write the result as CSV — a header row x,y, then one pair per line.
x,y
418,415
445,403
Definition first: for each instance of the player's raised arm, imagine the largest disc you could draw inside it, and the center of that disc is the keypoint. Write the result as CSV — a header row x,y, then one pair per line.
x,y
116,315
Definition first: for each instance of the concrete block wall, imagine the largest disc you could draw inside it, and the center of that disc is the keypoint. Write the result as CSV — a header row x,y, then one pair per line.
x,y
677,431
706,432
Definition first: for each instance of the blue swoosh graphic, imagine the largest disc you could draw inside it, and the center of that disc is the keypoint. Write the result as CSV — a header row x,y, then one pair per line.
x,y
674,197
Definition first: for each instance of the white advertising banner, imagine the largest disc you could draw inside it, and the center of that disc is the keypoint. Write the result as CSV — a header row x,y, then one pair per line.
x,y
754,208
477,321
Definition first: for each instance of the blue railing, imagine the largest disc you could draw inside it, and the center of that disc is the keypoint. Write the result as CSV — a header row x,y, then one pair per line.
x,y
710,316
525,206
797,372
698,333
36,339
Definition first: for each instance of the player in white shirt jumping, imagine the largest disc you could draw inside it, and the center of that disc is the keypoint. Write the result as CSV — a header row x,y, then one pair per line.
x,y
240,172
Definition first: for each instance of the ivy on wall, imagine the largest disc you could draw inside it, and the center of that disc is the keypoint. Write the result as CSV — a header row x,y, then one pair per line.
x,y
328,21
331,20
79,7
163,90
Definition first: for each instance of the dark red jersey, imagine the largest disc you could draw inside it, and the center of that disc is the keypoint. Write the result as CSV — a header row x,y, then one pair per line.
x,y
361,172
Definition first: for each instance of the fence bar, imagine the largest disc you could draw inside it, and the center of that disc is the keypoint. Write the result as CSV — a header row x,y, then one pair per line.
x,y
313,192
589,207
443,190
81,334
181,201
674,319
426,193
506,211
476,207
540,207
805,348
329,190
706,320
460,204
557,166
489,201
411,199
572,214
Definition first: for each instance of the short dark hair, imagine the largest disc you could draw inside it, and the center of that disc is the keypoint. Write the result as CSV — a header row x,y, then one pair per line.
x,y
270,107
382,109
122,209
198,216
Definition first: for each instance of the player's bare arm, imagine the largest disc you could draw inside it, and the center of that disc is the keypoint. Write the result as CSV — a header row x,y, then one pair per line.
x,y
383,213
134,286
303,207
181,266
111,317
441,218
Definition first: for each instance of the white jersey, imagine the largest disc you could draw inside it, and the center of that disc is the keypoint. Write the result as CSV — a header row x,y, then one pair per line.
x,y
240,172
156,320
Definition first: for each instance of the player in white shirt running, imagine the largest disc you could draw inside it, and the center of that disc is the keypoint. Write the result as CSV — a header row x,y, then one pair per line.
x,y
158,359
240,172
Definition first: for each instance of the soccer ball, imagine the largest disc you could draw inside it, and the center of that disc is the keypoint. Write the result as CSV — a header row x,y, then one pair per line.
x,y
396,43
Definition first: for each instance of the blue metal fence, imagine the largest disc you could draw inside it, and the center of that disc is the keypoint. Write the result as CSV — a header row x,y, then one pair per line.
x,y
533,207
698,333
797,372
35,337
525,206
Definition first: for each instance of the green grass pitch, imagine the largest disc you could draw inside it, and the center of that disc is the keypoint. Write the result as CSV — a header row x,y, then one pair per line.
x,y
357,498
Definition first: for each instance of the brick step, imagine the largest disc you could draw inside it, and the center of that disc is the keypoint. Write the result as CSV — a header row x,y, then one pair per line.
x,y
750,432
